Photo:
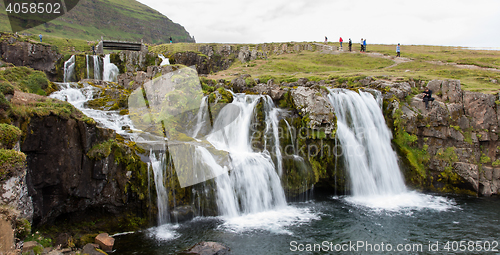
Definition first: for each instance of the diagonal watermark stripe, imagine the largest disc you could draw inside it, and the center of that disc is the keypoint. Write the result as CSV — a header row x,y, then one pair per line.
x,y
26,14
166,109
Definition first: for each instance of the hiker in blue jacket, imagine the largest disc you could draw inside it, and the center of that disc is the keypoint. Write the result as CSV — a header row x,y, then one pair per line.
x,y
364,45
398,51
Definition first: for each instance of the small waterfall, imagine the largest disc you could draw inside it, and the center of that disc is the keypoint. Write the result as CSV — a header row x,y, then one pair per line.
x,y
164,61
366,143
97,67
202,118
87,62
78,96
253,184
110,72
69,67
157,163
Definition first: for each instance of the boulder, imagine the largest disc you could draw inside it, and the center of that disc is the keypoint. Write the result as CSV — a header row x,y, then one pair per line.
x,y
207,248
311,102
182,213
6,235
90,249
105,242
30,245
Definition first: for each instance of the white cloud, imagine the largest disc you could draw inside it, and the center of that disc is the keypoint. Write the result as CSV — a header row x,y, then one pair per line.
x,y
431,22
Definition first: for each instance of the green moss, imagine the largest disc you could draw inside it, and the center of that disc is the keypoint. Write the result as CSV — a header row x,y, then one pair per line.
x,y
26,80
414,157
4,104
496,163
10,160
41,239
9,135
6,88
484,158
23,228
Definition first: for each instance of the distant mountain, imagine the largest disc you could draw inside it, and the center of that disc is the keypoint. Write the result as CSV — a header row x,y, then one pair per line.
x,y
126,20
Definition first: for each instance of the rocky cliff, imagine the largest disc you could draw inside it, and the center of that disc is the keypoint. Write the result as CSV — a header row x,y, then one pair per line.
x,y
22,53
74,168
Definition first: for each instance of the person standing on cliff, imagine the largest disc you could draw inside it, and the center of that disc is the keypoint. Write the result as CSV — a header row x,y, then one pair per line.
x,y
326,40
364,45
350,44
361,44
427,97
40,37
398,51
341,41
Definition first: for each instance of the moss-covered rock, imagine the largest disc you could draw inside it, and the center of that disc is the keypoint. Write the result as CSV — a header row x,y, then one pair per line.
x,y
9,136
11,161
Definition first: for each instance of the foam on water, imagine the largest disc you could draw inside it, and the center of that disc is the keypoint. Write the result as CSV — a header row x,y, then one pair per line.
x,y
402,202
275,221
164,232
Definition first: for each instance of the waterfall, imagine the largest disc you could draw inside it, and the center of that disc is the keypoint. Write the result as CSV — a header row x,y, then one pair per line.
x,y
164,61
253,184
157,163
366,142
87,62
202,118
110,72
69,67
97,68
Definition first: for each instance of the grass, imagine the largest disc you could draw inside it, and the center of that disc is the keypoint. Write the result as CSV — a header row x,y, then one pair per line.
x,y
421,62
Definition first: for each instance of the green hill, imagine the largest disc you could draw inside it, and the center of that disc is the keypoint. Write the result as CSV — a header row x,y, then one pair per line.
x,y
126,20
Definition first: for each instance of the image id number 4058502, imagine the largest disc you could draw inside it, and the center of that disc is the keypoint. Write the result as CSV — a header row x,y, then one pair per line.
x,y
33,8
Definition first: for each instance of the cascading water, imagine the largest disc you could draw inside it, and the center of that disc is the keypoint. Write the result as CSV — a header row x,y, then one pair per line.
x,y
69,67
254,184
97,67
164,60
78,96
110,72
87,62
376,180
366,141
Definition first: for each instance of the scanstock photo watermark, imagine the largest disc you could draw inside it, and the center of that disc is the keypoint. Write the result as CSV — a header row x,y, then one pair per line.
x,y
26,14
371,247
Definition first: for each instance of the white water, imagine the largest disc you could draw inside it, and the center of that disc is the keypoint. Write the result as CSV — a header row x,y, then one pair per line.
x,y
158,165
164,61
97,67
376,180
87,62
69,67
110,72
202,118
77,96
254,184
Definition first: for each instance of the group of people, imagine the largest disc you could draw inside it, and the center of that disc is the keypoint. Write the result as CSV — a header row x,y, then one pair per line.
x,y
363,45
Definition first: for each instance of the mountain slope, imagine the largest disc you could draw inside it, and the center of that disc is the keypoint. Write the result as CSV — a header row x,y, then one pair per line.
x,y
126,20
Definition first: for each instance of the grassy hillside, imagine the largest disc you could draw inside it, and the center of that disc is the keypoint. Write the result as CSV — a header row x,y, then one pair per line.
x,y
126,20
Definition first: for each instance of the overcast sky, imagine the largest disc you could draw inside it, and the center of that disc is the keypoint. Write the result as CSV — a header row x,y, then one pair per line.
x,y
473,23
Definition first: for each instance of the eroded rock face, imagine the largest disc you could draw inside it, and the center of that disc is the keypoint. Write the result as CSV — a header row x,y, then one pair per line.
x,y
62,178
311,102
460,133
37,56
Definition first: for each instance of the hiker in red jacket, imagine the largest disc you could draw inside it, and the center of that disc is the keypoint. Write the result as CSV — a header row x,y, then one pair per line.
x,y
340,40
